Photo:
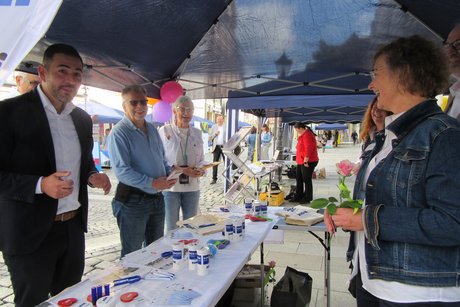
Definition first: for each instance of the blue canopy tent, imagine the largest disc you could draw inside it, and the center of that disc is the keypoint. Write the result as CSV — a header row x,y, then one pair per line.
x,y
267,56
324,108
331,127
202,120
299,60
100,112
213,47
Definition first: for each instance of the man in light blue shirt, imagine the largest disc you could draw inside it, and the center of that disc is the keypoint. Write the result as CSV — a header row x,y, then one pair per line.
x,y
138,160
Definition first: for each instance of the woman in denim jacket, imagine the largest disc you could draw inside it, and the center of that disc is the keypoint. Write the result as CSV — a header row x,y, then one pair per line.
x,y
408,233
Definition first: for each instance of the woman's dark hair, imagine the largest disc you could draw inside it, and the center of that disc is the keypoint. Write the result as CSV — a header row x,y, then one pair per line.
x,y
300,125
303,126
421,66
308,128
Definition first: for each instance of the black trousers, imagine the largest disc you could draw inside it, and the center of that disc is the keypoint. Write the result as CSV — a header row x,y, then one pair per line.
x,y
216,154
56,265
304,185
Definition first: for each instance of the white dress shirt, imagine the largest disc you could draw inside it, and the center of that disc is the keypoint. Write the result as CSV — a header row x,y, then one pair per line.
x,y
221,136
455,92
67,150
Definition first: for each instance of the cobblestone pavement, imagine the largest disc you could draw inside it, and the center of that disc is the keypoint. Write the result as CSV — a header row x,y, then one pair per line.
x,y
103,243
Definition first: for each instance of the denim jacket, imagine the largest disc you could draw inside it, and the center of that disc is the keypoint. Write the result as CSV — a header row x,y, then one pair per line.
x,y
412,213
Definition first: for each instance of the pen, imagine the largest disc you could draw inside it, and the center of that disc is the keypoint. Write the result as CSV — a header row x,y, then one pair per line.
x,y
206,225
126,280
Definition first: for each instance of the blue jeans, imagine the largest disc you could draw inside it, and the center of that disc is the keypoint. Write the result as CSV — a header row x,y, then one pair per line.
x,y
140,220
174,201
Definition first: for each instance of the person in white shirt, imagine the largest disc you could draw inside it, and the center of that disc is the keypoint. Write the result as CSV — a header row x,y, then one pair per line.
x,y
452,48
46,164
217,136
265,138
184,147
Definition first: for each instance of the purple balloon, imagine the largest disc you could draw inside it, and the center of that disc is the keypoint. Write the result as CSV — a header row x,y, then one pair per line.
x,y
161,112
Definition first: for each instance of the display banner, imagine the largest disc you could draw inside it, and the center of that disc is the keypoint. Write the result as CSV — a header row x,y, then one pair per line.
x,y
23,23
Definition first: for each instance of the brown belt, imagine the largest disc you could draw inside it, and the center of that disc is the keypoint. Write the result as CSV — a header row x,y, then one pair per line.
x,y
64,217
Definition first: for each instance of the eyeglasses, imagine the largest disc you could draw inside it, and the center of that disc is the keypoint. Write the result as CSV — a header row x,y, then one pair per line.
x,y
373,72
455,45
33,83
142,102
185,109
372,75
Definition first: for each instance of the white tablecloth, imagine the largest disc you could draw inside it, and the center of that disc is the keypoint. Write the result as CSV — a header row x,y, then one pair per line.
x,y
223,269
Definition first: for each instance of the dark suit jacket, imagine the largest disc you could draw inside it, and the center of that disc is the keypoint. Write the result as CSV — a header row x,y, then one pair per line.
x,y
26,153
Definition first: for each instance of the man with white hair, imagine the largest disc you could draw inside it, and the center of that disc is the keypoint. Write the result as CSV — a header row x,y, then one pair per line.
x,y
139,162
25,82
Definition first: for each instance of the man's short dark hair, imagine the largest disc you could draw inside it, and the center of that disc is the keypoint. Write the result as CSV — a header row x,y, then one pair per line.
x,y
62,49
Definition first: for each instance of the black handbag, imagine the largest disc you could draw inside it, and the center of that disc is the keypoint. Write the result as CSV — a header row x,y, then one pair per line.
x,y
293,289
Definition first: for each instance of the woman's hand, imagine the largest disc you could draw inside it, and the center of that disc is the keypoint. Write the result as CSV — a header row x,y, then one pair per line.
x,y
345,218
192,172
356,168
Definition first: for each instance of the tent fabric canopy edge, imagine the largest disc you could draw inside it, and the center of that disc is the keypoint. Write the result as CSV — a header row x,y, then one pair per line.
x,y
321,108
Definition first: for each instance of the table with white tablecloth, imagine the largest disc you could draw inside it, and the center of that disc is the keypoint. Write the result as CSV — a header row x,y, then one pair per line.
x,y
223,269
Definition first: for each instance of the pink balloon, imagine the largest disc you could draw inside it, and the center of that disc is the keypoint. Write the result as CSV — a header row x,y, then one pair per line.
x,y
161,112
170,91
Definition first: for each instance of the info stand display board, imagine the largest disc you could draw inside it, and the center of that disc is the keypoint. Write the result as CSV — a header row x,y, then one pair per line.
x,y
242,187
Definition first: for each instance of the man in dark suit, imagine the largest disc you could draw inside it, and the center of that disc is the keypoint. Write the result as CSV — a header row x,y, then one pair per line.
x,y
45,166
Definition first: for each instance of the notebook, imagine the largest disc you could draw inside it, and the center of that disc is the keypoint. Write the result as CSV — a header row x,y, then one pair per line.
x,y
273,159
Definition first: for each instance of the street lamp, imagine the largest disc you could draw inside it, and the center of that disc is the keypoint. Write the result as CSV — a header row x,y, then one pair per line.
x,y
283,65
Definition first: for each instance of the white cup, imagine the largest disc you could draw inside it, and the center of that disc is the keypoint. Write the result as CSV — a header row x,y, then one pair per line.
x,y
202,265
237,230
257,207
264,209
248,205
192,259
228,231
178,255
